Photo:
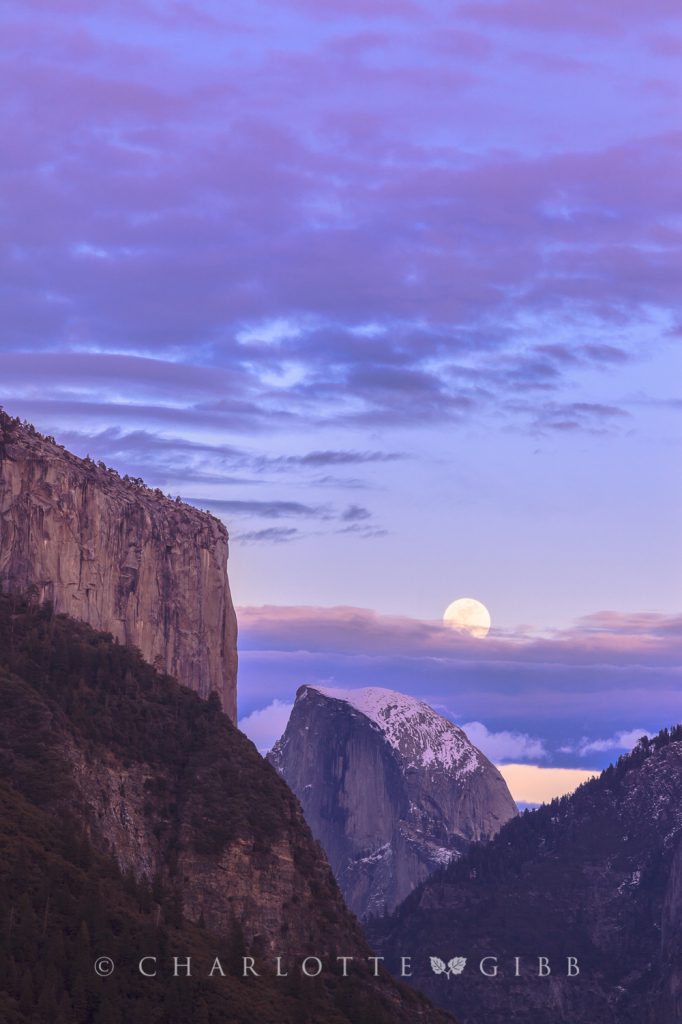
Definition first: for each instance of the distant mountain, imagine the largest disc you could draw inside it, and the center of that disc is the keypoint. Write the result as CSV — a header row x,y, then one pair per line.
x,y
135,819
391,789
596,875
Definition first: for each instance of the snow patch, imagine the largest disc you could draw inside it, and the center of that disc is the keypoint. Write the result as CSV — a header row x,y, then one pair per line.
x,y
422,737
443,855
376,855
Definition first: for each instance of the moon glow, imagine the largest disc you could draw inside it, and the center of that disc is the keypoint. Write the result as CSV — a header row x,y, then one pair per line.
x,y
467,615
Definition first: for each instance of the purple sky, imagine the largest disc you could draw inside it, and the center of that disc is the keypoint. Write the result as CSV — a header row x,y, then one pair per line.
x,y
393,286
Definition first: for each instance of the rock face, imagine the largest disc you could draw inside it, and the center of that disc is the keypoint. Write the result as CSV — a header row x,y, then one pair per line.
x,y
391,789
597,875
161,781
148,570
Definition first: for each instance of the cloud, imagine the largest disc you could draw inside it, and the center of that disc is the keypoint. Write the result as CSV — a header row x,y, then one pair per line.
x,y
534,693
590,417
355,516
627,624
164,459
607,639
266,725
355,513
608,354
275,534
366,532
342,458
624,740
609,18
146,452
401,245
504,746
530,784
264,509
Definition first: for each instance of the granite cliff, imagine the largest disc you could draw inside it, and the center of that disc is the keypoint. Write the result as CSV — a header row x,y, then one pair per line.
x,y
125,559
197,845
391,789
596,875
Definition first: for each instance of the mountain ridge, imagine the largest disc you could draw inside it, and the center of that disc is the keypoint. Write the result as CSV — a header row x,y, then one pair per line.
x,y
596,875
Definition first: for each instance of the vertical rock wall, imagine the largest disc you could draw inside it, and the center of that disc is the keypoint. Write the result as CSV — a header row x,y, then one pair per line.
x,y
390,788
151,571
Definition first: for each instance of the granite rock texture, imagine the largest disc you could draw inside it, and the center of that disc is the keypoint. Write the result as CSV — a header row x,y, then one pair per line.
x,y
391,789
123,558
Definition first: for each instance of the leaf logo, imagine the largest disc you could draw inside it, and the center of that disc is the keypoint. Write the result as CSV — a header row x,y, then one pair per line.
x,y
457,964
454,966
438,966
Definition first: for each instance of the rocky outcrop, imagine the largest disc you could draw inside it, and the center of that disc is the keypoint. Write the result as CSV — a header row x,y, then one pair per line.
x,y
125,559
596,876
391,789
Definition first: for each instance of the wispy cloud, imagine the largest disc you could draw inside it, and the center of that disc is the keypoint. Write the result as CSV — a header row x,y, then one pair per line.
x,y
504,746
340,458
265,509
590,417
606,638
621,741
401,247
356,517
272,534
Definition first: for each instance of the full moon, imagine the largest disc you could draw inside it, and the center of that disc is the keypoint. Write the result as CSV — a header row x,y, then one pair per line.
x,y
468,616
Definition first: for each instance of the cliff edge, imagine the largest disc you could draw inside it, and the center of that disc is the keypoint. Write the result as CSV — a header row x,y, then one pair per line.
x,y
109,551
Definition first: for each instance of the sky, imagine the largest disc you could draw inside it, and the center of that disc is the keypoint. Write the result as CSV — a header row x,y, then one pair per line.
x,y
392,286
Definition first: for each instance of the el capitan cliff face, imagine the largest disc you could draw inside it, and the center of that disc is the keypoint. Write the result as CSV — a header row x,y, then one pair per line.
x,y
391,789
148,570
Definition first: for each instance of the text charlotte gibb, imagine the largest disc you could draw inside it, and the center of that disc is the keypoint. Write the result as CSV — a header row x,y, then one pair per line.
x,y
489,966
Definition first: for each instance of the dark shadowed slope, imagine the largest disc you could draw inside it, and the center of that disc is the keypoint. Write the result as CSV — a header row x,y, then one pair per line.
x,y
597,875
137,820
